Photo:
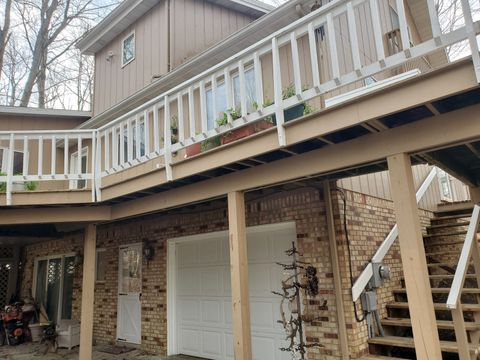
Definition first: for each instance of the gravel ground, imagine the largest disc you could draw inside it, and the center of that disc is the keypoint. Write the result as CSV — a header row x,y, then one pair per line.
x,y
31,351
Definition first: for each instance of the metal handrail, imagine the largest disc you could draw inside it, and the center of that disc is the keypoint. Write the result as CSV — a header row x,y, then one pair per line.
x,y
366,275
464,260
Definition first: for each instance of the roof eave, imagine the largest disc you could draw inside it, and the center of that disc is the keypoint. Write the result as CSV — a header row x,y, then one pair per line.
x,y
130,11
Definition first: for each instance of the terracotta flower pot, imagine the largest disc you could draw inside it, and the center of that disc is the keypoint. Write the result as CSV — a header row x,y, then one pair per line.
x,y
245,131
193,149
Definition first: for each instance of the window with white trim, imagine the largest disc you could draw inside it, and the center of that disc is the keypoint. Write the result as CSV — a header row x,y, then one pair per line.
x,y
53,285
445,185
79,184
128,49
220,104
17,161
249,90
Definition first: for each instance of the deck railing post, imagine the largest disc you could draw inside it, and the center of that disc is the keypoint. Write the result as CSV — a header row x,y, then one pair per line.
x,y
11,150
461,333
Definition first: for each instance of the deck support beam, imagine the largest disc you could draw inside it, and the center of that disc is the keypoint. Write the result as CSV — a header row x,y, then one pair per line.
x,y
242,337
337,279
420,302
88,290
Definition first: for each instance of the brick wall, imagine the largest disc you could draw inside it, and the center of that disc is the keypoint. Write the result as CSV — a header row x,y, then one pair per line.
x,y
369,220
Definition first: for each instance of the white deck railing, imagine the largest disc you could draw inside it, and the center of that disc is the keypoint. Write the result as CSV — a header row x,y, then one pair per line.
x,y
146,132
364,278
188,101
45,156
470,251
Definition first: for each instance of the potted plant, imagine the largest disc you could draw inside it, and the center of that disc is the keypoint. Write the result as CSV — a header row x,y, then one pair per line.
x,y
174,129
27,185
210,143
243,131
296,111
193,149
3,184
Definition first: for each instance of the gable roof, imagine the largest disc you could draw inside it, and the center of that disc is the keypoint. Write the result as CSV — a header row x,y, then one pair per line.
x,y
129,11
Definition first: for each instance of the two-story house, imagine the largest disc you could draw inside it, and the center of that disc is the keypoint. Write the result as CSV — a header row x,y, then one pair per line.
x,y
226,132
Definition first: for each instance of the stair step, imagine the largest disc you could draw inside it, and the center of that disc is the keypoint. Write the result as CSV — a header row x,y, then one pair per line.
x,y
406,342
449,264
447,252
451,217
449,225
448,276
437,306
441,324
455,233
442,291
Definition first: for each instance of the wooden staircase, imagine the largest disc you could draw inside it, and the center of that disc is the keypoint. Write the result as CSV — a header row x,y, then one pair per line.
x,y
443,245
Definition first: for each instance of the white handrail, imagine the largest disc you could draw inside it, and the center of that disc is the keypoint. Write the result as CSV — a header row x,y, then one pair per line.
x,y
367,273
464,260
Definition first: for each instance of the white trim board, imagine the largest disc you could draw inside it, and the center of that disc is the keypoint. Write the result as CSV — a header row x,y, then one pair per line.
x,y
364,90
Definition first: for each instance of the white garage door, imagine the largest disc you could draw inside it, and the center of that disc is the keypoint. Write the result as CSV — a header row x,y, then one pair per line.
x,y
203,325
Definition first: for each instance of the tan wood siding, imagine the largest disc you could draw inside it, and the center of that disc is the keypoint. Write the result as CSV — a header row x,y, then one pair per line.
x,y
114,83
378,185
198,24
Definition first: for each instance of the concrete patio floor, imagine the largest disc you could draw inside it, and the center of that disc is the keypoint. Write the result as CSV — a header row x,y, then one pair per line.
x,y
30,351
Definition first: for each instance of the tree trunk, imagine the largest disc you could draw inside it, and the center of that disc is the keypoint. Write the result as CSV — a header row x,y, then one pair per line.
x,y
5,33
41,82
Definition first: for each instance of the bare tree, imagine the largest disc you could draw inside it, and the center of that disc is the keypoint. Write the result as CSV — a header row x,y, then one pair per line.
x,y
5,32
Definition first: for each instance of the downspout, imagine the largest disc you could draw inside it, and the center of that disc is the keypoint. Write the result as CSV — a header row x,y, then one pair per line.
x,y
169,35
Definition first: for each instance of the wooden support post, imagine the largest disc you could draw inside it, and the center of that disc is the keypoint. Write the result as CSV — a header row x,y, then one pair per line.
x,y
88,290
420,302
337,279
239,274
475,197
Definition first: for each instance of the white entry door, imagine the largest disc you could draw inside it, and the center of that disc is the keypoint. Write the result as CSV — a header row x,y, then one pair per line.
x,y
129,316
202,309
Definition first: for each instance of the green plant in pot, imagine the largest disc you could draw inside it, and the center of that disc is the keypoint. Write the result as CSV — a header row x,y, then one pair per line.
x,y
30,185
174,129
3,184
211,143
234,113
296,111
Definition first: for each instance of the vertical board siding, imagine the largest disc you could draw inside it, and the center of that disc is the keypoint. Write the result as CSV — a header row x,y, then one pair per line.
x,y
195,26
378,185
114,83
198,24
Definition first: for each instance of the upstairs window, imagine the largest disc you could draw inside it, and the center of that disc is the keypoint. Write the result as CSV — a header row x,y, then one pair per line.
x,y
128,49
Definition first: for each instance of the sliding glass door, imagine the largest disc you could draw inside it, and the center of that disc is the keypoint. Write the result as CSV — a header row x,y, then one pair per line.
x,y
54,285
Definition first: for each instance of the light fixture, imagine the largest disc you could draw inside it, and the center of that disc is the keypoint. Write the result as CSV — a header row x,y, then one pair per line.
x,y
78,259
148,251
109,56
